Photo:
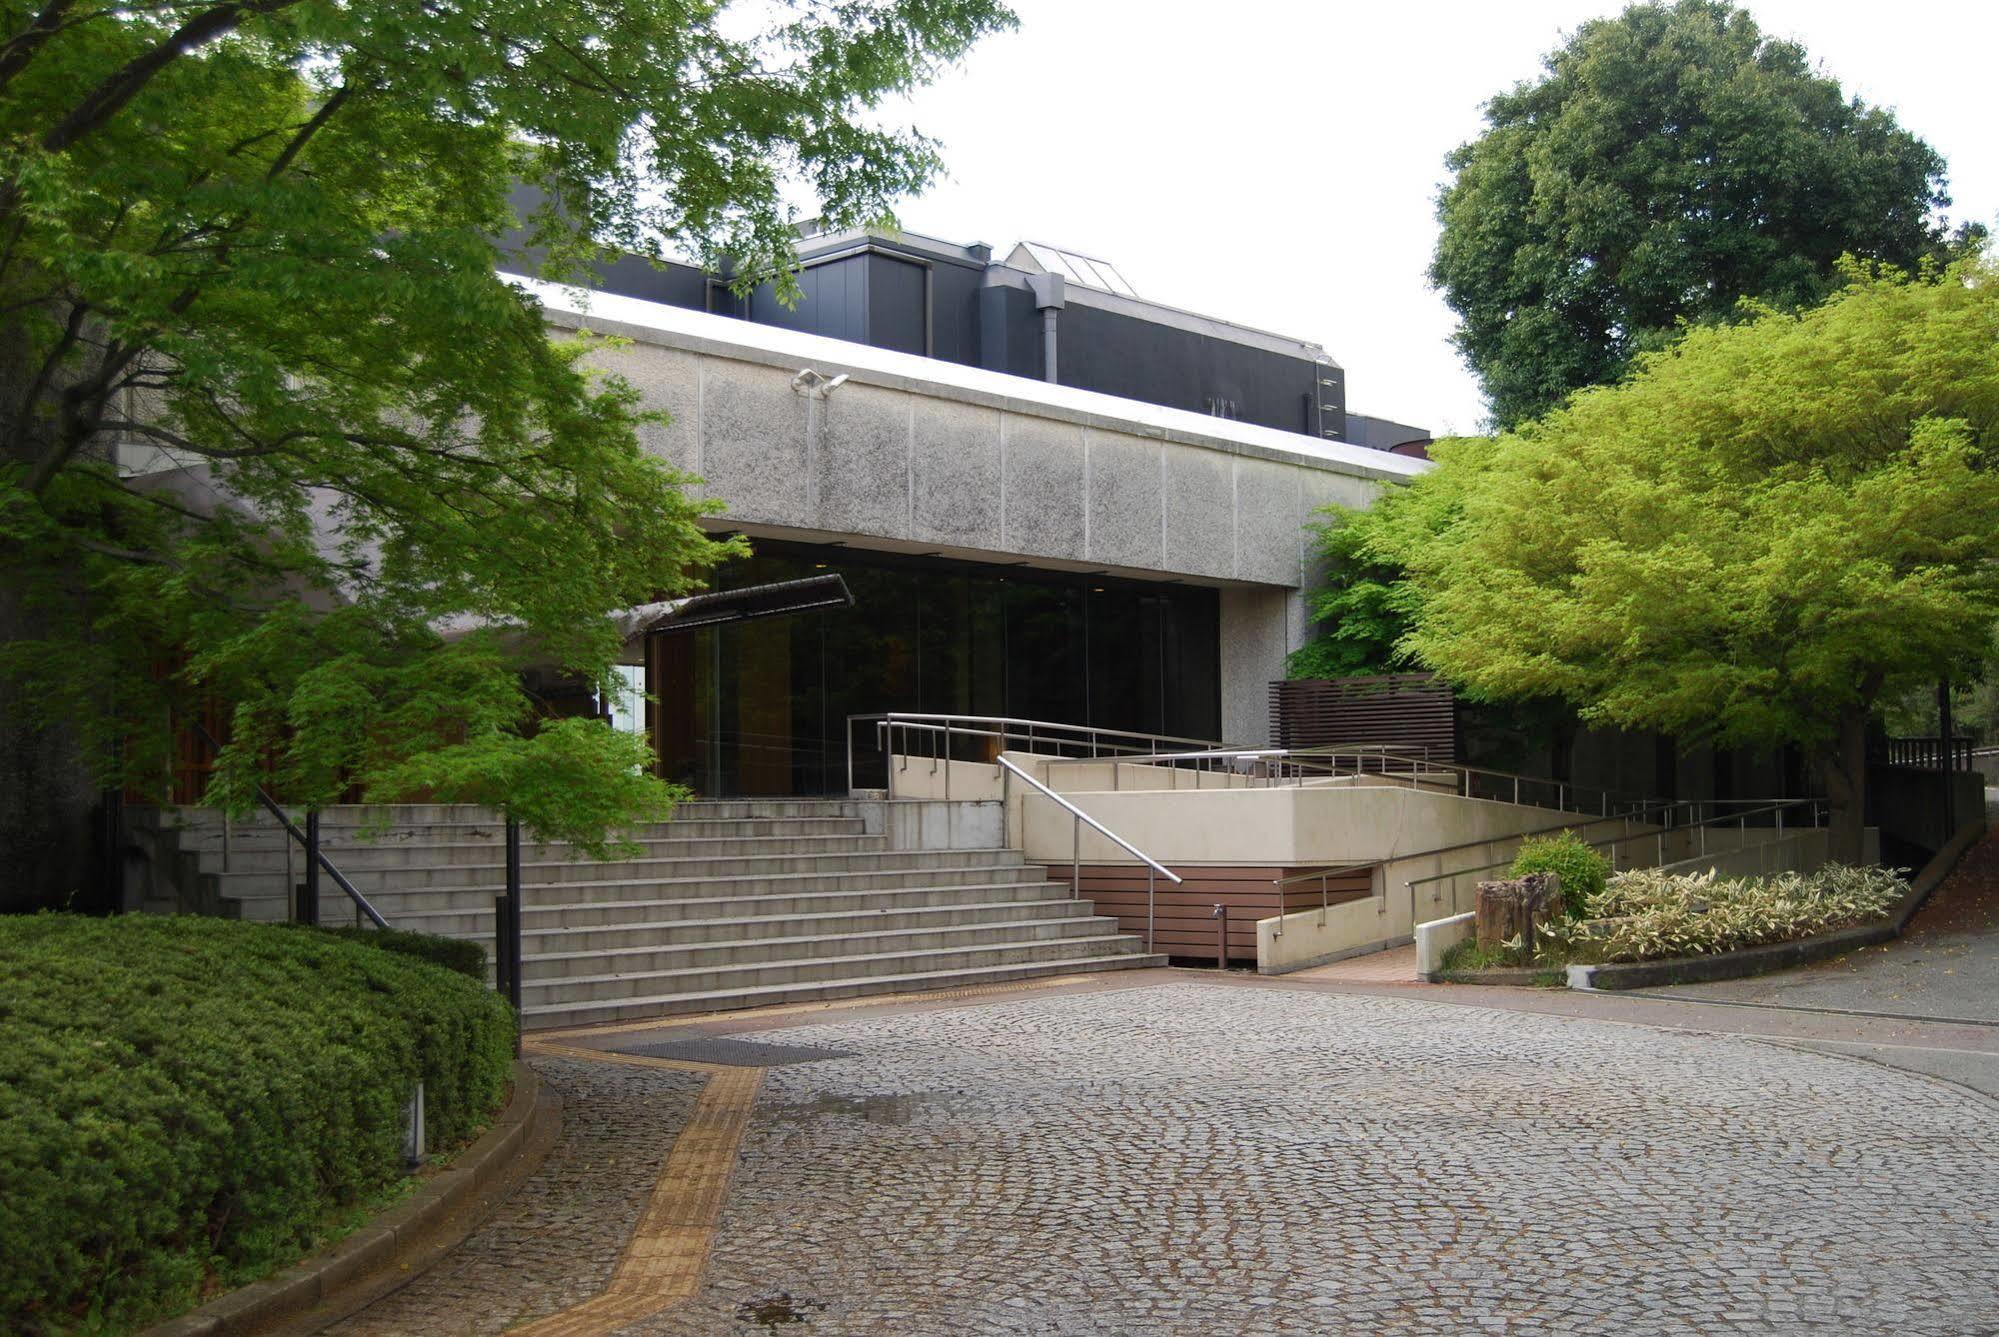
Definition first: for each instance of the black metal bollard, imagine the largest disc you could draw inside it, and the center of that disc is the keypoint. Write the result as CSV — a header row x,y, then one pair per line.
x,y
510,945
308,904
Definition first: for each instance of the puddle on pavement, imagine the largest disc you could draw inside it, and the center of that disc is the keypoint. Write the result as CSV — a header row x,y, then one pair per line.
x,y
775,1311
875,1109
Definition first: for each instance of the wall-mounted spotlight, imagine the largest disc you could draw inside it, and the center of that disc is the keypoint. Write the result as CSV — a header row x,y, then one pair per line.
x,y
809,381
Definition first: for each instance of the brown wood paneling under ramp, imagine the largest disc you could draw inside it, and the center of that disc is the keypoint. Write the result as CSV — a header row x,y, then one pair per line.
x,y
1184,915
1411,712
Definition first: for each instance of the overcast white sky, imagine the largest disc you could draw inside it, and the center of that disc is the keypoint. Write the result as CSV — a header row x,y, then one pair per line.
x,y
1277,164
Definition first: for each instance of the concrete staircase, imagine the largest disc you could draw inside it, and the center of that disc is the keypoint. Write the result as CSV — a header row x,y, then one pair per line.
x,y
729,905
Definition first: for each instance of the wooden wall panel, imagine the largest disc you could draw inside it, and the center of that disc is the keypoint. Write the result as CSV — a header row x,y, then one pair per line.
x,y
1184,921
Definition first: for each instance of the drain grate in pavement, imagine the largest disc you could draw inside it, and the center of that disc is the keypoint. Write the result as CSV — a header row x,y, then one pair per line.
x,y
732,1053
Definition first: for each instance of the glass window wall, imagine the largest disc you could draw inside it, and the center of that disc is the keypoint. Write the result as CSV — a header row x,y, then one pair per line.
x,y
761,708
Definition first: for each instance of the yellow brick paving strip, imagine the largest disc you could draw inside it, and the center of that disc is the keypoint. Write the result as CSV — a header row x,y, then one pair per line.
x,y
668,1250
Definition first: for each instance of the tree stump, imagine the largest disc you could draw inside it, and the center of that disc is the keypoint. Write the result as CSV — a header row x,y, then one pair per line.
x,y
1514,908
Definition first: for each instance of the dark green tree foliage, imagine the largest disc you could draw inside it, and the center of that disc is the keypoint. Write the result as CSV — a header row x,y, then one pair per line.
x,y
1672,161
187,1100
1363,607
259,239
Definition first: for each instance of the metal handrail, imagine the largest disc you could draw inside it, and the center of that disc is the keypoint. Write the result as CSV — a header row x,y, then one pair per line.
x,y
1094,731
315,850
1636,815
1001,727
1740,819
311,844
1154,868
1362,753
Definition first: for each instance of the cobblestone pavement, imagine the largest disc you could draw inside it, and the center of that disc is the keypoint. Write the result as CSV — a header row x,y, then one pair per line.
x,y
1193,1158
556,1240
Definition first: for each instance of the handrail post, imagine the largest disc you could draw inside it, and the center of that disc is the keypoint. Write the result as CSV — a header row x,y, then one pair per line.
x,y
1151,881
1076,854
511,944
308,906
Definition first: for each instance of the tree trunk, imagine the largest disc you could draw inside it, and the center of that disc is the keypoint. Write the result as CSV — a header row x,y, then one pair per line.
x,y
1846,787
1515,908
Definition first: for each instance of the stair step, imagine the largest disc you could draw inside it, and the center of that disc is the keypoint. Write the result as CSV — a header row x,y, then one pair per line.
x,y
669,916
634,871
666,891
728,1000
389,857
550,967
491,835
733,921
701,979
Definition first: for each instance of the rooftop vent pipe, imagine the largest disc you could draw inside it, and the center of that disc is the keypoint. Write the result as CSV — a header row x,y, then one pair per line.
x,y
1049,298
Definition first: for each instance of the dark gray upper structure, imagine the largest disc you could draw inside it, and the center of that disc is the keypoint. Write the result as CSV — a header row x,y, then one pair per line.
x,y
1042,312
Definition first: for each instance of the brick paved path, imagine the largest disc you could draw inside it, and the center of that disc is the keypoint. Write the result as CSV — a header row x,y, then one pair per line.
x,y
556,1241
1194,1158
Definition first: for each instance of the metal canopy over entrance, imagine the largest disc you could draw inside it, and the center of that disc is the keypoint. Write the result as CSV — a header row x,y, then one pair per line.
x,y
777,599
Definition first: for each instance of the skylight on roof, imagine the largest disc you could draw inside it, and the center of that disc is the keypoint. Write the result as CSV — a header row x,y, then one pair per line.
x,y
1079,268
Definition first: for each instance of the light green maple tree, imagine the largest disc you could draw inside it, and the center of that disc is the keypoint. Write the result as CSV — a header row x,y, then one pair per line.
x,y
1766,531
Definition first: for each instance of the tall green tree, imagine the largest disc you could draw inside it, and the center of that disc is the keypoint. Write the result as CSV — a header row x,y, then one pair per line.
x,y
1363,609
1670,162
271,428
1767,531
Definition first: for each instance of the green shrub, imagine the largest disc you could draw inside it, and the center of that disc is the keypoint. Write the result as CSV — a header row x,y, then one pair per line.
x,y
1647,915
187,1102
467,958
1583,870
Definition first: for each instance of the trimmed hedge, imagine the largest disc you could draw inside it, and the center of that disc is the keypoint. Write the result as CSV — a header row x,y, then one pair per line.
x,y
188,1103
467,958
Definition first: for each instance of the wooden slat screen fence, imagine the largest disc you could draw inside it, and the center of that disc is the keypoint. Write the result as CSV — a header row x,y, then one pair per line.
x,y
1410,712
1184,923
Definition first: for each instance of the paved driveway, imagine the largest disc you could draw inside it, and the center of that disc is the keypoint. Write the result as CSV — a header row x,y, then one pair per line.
x,y
1170,1155
1946,966
1201,1159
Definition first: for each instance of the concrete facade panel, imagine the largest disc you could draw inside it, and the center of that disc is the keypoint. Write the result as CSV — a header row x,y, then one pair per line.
x,y
1269,523
669,380
1199,512
864,460
1255,641
1125,498
1044,487
955,474
753,443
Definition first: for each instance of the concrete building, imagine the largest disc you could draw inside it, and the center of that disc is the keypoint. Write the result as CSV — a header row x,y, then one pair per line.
x,y
1052,499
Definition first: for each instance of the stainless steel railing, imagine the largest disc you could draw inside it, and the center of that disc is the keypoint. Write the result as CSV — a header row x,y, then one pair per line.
x,y
896,731
1154,870
1812,809
1279,766
315,854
